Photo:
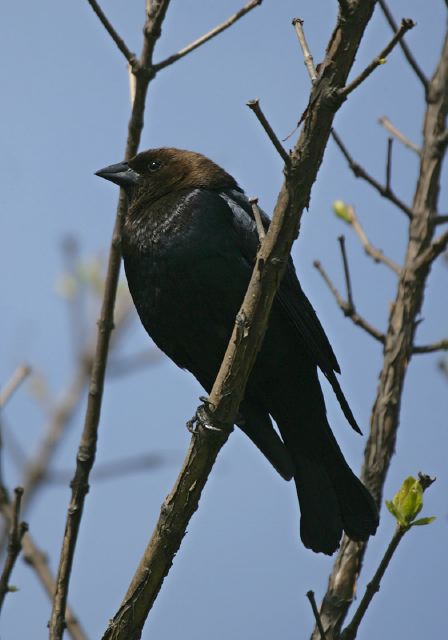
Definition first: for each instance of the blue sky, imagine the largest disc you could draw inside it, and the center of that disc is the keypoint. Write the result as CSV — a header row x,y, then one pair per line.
x,y
241,571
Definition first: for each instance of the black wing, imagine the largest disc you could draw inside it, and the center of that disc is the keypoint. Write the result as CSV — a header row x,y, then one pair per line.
x,y
290,298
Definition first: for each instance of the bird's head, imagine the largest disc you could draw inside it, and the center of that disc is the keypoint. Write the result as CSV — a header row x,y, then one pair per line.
x,y
152,174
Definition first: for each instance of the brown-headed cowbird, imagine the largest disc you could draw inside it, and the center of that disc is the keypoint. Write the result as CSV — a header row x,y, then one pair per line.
x,y
189,246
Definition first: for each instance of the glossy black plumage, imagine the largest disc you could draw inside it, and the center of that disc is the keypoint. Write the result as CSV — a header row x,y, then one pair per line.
x,y
189,244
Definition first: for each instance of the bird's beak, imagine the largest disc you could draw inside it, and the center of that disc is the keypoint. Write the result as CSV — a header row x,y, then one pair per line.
x,y
120,173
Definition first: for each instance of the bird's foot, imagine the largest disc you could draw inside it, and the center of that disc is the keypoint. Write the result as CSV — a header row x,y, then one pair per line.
x,y
202,417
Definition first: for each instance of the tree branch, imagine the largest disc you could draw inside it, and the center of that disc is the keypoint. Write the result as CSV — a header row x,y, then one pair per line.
x,y
348,282
442,345
407,52
387,124
254,105
17,532
307,57
130,57
38,562
406,25
156,11
359,172
208,36
373,252
312,599
11,386
398,346
347,310
351,630
258,221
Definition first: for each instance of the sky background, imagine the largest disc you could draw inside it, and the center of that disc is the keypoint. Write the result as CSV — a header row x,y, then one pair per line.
x,y
241,571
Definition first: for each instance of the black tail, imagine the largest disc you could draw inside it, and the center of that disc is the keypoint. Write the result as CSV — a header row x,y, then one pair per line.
x,y
332,499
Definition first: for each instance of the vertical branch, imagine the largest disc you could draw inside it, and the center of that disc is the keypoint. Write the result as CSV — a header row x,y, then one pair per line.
x,y
156,10
397,348
18,529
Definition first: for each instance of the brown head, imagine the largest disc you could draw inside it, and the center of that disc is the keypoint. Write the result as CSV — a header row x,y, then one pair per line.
x,y
152,174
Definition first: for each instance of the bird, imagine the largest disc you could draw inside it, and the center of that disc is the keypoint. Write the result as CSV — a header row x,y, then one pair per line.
x,y
189,244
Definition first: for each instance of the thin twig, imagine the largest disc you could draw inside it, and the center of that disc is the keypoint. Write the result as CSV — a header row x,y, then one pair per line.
x,y
37,560
61,413
387,124
87,449
312,599
307,57
115,469
254,105
130,57
349,633
208,36
406,25
360,172
442,345
389,163
258,220
370,250
14,383
348,282
17,532
409,57
348,311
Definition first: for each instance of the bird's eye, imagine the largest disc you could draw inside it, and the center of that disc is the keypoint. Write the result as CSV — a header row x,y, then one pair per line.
x,y
154,165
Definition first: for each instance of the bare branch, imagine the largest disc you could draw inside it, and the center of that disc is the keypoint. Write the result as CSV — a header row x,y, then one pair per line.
x,y
208,36
406,25
308,58
129,364
370,250
156,11
443,219
116,468
18,530
38,562
409,57
130,57
312,599
387,124
347,310
442,345
360,172
348,282
254,105
258,220
389,163
19,375
398,346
